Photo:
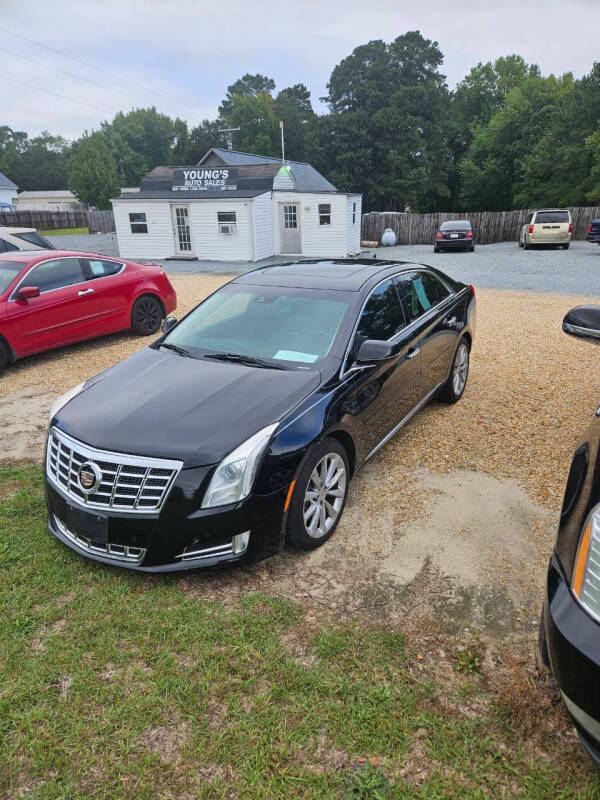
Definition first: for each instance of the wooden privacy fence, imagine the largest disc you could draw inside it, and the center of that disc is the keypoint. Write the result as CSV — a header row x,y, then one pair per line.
x,y
490,226
45,220
101,221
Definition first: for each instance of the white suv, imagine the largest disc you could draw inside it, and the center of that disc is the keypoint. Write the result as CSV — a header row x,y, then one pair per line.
x,y
547,226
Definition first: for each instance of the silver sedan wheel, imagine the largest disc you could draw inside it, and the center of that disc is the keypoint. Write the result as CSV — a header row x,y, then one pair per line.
x,y
324,495
461,369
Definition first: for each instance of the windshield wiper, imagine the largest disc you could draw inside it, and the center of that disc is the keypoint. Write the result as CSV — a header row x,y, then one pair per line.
x,y
179,350
237,358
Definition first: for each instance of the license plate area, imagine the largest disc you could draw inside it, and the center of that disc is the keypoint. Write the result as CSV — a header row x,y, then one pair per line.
x,y
454,235
87,524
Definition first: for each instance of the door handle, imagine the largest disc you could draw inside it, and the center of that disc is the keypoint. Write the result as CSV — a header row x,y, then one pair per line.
x,y
449,321
81,292
413,353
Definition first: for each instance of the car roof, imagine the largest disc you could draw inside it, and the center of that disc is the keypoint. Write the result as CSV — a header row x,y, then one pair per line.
x,y
348,275
28,256
6,229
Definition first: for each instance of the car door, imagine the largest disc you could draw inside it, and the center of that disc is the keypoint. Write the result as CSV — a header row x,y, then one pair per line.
x,y
384,394
66,309
109,282
433,309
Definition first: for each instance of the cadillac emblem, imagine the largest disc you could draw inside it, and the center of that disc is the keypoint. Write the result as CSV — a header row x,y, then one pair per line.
x,y
89,476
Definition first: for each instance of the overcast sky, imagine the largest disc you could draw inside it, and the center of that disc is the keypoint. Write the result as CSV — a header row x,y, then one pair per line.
x,y
181,55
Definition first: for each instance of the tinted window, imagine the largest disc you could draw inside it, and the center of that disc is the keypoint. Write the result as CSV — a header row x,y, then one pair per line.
x,y
552,216
6,247
8,272
420,291
382,316
33,237
55,274
456,224
100,268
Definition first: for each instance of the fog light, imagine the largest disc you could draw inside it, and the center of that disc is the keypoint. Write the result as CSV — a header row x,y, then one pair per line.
x,y
239,543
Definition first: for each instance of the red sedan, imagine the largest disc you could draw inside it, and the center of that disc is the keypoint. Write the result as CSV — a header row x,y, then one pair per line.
x,y
49,299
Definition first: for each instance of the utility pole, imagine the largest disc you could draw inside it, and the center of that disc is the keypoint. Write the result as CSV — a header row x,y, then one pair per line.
x,y
228,132
282,142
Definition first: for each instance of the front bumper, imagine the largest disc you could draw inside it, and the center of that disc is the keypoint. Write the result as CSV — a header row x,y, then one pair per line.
x,y
181,537
574,648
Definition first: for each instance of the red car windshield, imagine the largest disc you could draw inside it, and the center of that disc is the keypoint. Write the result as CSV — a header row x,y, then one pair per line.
x,y
8,272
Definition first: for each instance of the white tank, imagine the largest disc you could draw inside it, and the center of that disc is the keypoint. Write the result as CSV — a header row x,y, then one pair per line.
x,y
389,238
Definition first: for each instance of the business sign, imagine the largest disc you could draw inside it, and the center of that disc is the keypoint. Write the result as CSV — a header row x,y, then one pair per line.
x,y
205,179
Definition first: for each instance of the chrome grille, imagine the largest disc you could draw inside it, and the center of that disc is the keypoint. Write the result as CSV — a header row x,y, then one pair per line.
x,y
118,552
129,483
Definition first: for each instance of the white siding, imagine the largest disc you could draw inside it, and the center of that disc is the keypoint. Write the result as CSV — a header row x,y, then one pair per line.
x,y
262,217
354,229
329,241
207,242
158,242
8,195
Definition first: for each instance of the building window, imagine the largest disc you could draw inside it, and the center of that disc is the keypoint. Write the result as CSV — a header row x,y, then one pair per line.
x,y
227,222
138,223
354,213
324,214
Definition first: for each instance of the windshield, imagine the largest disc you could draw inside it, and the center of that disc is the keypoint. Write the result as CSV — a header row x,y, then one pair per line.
x,y
33,237
265,322
8,272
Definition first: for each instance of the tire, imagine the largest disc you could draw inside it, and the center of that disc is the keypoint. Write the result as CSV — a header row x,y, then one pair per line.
x,y
454,387
543,642
472,248
3,357
525,245
146,315
325,456
436,249
520,243
566,246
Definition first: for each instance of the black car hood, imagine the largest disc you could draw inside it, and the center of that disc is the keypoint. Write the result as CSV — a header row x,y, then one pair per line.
x,y
157,403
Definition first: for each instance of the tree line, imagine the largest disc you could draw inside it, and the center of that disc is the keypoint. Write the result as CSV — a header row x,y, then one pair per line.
x,y
506,137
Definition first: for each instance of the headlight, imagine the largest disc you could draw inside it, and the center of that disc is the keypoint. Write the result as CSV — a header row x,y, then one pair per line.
x,y
62,401
235,475
586,573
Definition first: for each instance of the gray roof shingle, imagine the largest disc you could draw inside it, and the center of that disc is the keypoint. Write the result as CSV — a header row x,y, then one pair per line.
x,y
6,183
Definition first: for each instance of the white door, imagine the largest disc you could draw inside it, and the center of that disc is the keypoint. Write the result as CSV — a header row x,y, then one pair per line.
x,y
181,225
290,228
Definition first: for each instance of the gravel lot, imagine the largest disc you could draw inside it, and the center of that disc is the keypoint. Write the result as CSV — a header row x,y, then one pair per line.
x,y
493,266
456,515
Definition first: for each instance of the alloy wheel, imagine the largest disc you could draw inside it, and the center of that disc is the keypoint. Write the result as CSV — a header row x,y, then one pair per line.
x,y
324,496
461,369
148,315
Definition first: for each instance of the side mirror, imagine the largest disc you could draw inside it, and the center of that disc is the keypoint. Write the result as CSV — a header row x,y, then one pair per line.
x,y
28,292
375,350
583,322
168,323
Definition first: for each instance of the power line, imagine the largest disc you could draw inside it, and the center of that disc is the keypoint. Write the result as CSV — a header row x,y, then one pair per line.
x,y
62,96
64,72
92,66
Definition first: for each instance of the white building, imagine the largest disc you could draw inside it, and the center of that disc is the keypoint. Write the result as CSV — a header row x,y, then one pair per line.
x,y
8,192
235,206
48,200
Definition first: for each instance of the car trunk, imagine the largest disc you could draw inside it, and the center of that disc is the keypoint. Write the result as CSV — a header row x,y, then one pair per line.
x,y
552,226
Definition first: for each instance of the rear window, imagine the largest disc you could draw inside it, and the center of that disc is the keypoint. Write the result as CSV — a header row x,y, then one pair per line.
x,y
552,216
8,272
33,237
456,224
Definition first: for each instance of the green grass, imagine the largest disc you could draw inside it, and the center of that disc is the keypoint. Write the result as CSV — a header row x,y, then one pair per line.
x,y
116,685
64,231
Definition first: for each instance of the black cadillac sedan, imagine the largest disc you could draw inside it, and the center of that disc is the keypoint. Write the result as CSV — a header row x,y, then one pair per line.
x,y
454,234
569,638
242,426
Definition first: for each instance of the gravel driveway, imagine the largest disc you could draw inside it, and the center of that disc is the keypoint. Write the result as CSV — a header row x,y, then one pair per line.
x,y
494,266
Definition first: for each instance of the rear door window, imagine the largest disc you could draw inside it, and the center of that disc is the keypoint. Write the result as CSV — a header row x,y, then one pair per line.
x,y
382,316
420,291
55,274
551,216
101,268
33,237
7,247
